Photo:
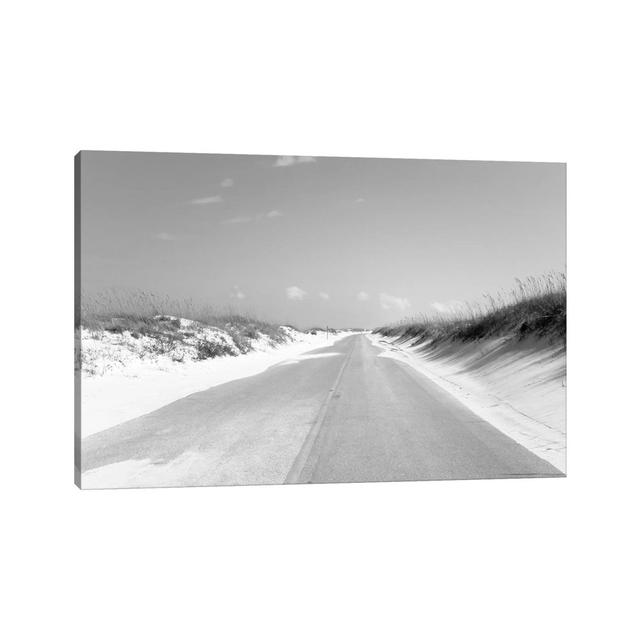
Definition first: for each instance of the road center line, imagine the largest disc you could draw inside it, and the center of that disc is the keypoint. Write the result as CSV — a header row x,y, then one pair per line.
x,y
304,463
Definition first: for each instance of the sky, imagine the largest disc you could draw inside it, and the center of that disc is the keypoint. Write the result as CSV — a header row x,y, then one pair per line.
x,y
345,242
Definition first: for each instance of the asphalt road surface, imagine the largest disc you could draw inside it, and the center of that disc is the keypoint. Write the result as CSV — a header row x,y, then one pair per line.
x,y
336,414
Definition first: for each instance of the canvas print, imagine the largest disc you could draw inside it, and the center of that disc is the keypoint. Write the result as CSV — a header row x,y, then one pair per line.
x,y
247,320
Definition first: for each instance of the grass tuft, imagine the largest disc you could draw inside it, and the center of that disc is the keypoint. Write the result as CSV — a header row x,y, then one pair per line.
x,y
536,306
148,314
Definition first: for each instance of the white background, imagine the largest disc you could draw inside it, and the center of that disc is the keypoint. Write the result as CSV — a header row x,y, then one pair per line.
x,y
474,80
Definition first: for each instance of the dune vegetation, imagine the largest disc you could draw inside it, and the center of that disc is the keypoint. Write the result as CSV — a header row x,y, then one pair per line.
x,y
116,326
535,307
145,313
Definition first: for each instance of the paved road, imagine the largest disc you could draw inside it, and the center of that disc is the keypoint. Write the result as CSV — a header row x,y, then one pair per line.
x,y
337,414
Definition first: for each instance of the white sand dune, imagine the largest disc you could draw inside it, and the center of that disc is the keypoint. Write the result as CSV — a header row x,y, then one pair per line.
x,y
517,386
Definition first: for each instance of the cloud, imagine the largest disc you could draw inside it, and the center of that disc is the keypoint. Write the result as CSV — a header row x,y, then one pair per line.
x,y
206,200
362,296
388,302
226,183
287,161
295,293
164,236
323,295
237,220
359,200
260,216
448,307
237,294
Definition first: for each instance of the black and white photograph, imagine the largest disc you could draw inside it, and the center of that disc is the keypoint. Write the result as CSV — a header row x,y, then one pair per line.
x,y
353,292
253,319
